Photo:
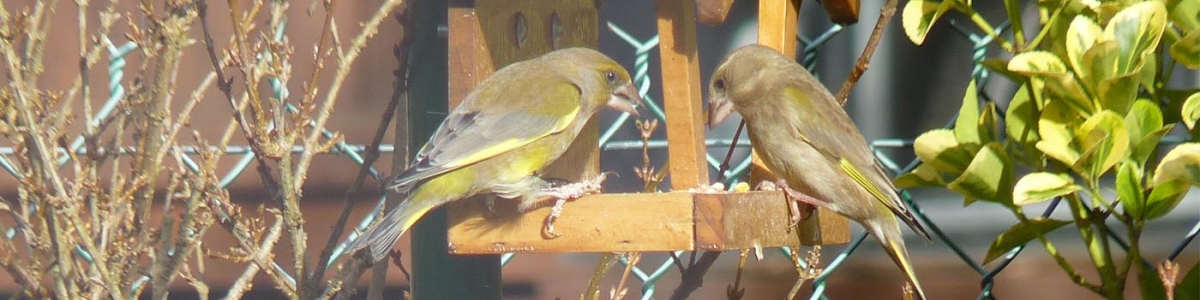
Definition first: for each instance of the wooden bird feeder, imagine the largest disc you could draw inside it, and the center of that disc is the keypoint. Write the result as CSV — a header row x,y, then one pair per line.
x,y
495,33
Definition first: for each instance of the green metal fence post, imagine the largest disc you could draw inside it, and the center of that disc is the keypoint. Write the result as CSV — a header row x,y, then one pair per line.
x,y
436,273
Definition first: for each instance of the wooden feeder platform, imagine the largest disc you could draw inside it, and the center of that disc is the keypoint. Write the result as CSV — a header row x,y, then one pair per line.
x,y
487,35
641,222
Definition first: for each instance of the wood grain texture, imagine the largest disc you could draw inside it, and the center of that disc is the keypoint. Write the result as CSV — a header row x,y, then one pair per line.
x,y
681,92
742,221
777,24
597,223
470,61
635,222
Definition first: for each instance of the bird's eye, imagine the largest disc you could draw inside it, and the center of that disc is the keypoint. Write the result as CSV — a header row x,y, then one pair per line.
x,y
719,84
612,77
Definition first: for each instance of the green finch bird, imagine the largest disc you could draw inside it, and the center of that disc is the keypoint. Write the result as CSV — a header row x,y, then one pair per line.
x,y
805,137
514,124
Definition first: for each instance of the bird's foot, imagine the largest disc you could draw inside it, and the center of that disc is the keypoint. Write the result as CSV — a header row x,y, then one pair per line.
x,y
796,200
560,195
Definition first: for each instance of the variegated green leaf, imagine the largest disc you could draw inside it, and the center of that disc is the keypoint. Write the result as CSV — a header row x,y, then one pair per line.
x,y
1185,14
1137,29
1104,141
1041,186
940,149
989,177
1145,124
1130,190
1186,51
1182,163
919,16
1082,34
1037,63
1190,111
1021,117
1054,128
1020,234
1164,198
923,176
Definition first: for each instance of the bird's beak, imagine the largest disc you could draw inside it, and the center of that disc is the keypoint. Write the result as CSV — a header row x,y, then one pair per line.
x,y
626,99
719,108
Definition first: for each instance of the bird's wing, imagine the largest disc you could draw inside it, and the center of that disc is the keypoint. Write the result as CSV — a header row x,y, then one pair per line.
x,y
483,127
844,146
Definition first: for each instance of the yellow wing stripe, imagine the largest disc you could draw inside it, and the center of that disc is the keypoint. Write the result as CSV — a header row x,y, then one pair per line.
x,y
858,177
853,172
514,143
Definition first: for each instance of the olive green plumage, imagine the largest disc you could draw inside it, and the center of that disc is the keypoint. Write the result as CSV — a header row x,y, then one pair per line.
x,y
514,124
805,137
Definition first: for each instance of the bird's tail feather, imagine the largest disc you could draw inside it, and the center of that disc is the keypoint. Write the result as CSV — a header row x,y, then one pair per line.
x,y
893,244
382,235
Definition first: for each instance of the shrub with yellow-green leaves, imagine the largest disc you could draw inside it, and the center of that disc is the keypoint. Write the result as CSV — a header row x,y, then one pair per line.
x,y
1092,103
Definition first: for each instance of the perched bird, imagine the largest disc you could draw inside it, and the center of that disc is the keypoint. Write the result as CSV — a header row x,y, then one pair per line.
x,y
514,124
805,137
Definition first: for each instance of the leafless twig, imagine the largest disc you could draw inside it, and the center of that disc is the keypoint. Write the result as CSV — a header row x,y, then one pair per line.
x,y
864,60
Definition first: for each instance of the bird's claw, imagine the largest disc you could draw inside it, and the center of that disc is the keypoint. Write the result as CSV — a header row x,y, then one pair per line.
x,y
555,212
571,191
796,198
799,212
577,189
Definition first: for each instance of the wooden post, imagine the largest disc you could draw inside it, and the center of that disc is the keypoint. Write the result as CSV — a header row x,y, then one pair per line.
x,y
777,24
681,92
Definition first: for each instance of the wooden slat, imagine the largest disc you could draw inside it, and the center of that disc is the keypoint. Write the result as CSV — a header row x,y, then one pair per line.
x,y
635,222
742,221
597,223
777,24
470,61
681,92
